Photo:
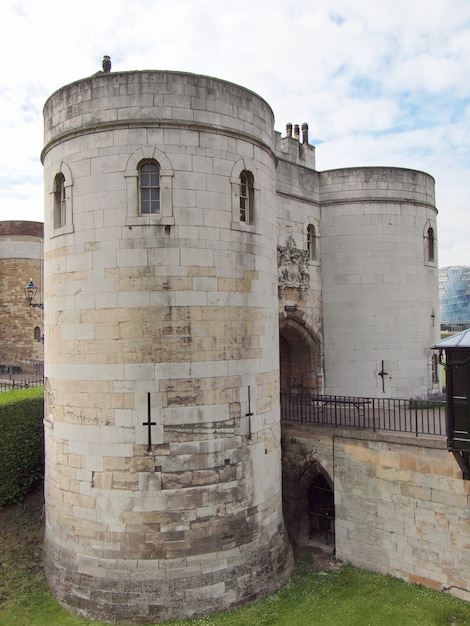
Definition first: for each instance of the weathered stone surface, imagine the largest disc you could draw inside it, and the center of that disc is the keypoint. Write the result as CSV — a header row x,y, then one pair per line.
x,y
167,345
389,516
165,318
21,250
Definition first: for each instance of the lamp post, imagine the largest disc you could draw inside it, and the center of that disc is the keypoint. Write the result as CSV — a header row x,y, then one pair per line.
x,y
30,291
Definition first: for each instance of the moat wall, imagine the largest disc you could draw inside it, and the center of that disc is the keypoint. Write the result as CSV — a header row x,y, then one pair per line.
x,y
401,505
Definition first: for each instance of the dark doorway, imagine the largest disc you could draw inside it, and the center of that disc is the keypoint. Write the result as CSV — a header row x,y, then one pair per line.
x,y
321,511
308,497
299,358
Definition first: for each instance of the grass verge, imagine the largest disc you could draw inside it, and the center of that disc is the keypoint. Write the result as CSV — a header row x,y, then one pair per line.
x,y
312,597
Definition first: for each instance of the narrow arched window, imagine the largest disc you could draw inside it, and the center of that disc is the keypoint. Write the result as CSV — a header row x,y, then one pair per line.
x,y
430,244
37,334
311,242
149,187
59,201
246,197
435,369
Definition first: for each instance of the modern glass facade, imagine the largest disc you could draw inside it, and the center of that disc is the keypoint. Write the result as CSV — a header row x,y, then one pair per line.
x,y
454,295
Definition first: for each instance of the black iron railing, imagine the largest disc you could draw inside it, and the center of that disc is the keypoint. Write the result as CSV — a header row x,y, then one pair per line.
x,y
8,385
418,417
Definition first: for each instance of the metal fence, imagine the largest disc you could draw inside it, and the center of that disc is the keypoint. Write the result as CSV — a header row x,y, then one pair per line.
x,y
418,417
8,385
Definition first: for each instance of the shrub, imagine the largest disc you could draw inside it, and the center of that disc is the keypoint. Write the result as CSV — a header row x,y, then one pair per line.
x,y
21,442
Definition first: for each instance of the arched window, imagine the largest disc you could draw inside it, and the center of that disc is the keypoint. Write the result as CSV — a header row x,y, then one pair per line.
x,y
149,197
59,201
311,242
61,193
149,187
430,237
435,369
37,334
246,197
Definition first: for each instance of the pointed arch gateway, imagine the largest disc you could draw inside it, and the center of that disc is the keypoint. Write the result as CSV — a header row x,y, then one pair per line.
x,y
307,499
307,489
299,357
321,509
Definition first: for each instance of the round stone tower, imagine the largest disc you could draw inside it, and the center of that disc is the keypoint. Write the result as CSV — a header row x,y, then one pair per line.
x,y
163,473
21,325
380,282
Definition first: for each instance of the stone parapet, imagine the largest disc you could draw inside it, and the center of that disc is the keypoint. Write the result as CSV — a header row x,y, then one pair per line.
x,y
157,99
377,184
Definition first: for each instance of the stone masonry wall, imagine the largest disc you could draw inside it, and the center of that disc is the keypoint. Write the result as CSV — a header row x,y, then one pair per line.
x,y
175,313
401,505
20,259
300,311
176,316
380,291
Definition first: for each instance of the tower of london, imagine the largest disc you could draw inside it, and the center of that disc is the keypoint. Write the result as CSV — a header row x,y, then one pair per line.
x,y
196,264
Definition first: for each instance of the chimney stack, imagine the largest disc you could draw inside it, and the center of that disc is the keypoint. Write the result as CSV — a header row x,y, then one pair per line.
x,y
106,64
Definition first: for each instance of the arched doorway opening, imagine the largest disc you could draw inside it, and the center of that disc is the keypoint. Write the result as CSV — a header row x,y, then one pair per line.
x,y
308,498
299,358
321,511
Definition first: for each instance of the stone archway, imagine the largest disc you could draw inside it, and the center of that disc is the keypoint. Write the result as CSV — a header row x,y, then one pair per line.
x,y
299,357
308,497
321,510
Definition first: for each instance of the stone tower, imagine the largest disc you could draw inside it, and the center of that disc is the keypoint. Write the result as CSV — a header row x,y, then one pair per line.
x,y
163,473
21,326
379,282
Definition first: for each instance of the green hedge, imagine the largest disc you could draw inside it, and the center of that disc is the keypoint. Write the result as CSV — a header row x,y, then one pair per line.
x,y
21,442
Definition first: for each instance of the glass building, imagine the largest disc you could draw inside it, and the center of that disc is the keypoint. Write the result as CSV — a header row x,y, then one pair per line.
x,y
454,295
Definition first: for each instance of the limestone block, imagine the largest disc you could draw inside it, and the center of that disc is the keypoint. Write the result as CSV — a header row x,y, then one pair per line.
x,y
80,512
448,499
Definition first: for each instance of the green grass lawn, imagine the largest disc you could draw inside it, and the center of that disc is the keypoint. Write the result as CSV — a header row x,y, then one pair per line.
x,y
336,597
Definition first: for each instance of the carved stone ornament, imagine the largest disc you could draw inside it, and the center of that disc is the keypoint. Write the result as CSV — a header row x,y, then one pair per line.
x,y
292,265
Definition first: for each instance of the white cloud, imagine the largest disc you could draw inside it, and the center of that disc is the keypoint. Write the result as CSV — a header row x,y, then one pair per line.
x,y
378,82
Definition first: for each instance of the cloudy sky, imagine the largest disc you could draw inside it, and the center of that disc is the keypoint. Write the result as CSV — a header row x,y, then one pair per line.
x,y
380,82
